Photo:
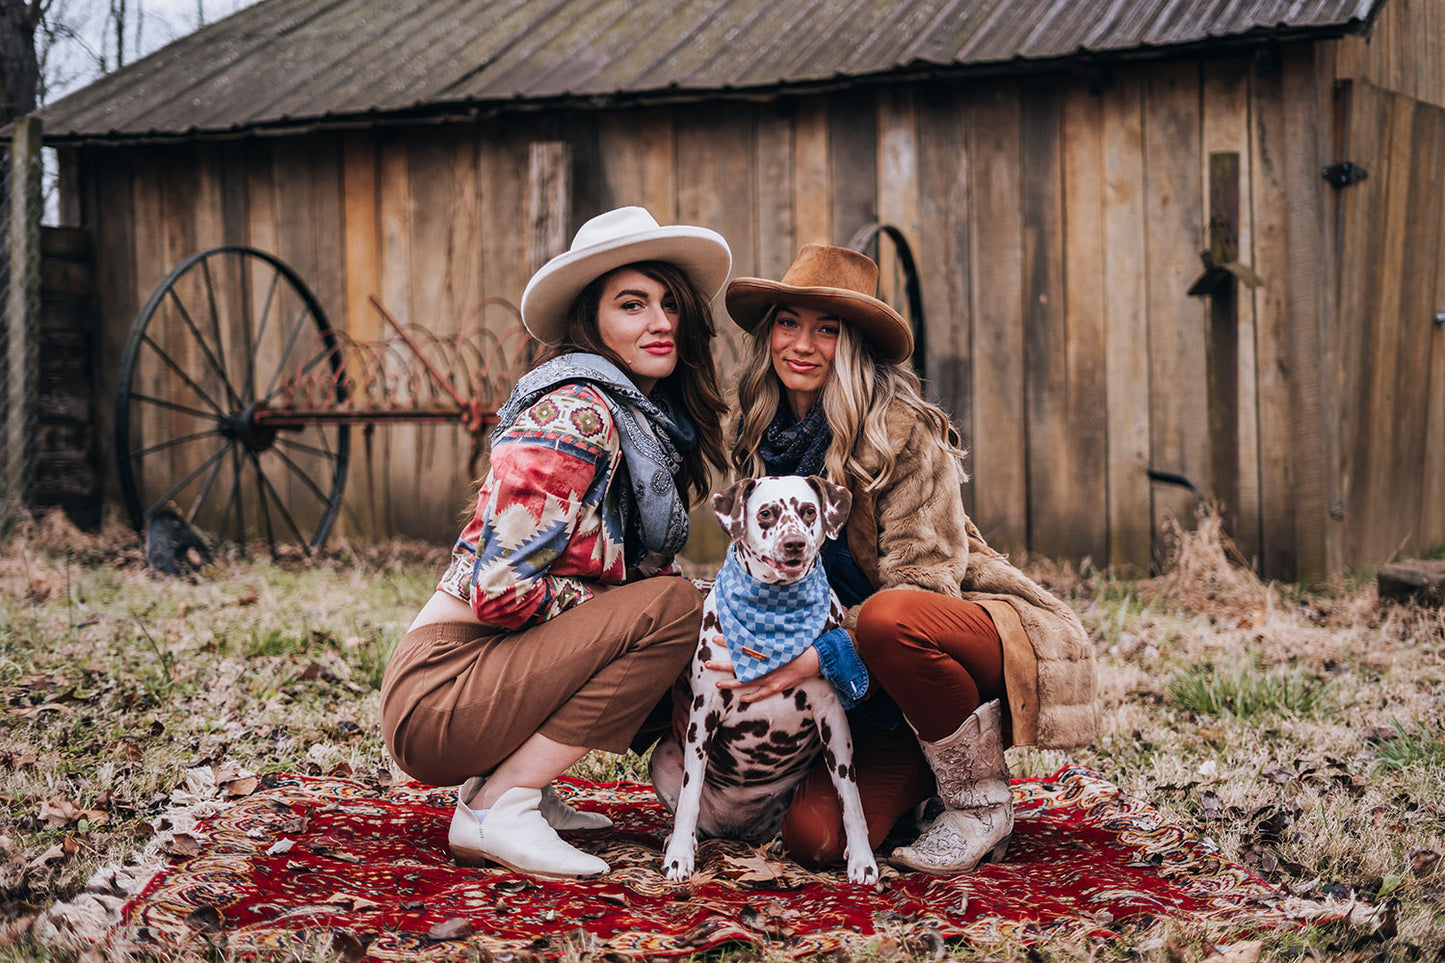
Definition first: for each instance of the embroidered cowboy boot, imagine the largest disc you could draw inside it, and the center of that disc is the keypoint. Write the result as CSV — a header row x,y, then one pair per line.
x,y
978,813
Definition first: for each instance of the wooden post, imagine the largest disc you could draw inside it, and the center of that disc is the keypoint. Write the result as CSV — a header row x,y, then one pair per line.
x,y
549,202
22,300
1222,347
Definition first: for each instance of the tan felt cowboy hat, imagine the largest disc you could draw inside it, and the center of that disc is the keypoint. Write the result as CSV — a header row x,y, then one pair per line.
x,y
837,280
609,241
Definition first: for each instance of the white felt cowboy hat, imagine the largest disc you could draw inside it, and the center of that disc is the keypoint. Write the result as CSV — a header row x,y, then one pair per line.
x,y
836,280
609,241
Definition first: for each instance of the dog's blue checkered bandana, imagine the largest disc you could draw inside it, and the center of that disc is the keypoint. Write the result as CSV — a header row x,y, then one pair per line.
x,y
767,625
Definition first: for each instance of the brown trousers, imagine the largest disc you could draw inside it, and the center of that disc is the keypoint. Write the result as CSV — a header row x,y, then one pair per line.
x,y
458,697
939,657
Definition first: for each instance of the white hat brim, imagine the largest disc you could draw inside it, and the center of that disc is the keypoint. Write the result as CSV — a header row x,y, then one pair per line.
x,y
702,254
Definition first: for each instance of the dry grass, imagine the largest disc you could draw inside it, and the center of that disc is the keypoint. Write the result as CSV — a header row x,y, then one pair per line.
x,y
1300,730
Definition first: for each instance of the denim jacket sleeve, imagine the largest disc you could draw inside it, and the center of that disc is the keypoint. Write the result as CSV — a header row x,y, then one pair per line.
x,y
840,665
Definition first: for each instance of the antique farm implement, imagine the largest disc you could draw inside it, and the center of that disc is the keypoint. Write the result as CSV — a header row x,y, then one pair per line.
x,y
236,397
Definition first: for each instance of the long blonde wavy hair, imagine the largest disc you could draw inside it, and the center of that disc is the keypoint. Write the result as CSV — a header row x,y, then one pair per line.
x,y
855,403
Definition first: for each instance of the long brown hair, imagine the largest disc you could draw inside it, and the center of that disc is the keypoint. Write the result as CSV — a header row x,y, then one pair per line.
x,y
694,380
855,401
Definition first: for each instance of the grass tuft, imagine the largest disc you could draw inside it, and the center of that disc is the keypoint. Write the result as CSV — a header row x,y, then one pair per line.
x,y
1414,746
1248,692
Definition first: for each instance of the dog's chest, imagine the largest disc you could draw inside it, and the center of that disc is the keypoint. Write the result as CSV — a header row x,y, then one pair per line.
x,y
763,743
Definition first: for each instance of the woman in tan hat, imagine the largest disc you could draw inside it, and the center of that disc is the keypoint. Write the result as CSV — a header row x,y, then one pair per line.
x,y
979,656
547,635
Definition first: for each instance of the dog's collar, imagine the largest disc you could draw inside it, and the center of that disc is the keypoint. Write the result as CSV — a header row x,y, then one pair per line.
x,y
768,624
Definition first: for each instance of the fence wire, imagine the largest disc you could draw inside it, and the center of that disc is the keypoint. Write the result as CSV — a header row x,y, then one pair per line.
x,y
20,212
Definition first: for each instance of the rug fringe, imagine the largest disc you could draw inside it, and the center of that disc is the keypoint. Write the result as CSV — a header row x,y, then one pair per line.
x,y
87,920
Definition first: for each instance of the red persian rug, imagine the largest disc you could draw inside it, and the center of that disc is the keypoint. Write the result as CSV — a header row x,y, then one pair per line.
x,y
314,860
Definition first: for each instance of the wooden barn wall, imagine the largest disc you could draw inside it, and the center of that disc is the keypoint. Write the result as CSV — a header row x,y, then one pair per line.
x,y
1401,52
1058,232
1388,371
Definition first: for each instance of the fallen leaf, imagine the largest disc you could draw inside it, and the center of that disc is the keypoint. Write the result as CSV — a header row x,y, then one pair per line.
x,y
57,813
52,854
204,919
183,844
280,846
1423,862
235,788
1245,952
347,946
455,928
248,598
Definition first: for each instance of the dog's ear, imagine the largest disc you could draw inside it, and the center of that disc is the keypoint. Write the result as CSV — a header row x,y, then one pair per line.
x,y
731,506
837,502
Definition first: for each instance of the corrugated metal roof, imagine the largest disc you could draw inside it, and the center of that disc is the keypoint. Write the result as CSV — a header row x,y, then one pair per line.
x,y
284,62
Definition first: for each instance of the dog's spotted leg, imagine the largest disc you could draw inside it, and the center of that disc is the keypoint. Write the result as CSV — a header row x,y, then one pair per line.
x,y
832,723
703,717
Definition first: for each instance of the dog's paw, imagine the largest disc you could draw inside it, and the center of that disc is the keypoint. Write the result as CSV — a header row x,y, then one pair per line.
x,y
677,863
863,870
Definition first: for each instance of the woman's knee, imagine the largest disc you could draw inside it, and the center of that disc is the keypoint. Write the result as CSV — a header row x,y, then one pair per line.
x,y
883,620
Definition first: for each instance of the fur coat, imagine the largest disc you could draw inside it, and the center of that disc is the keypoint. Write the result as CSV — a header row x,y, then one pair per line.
x,y
914,533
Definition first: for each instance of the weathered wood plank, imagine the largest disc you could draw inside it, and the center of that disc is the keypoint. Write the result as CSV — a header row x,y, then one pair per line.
x,y
361,259
1226,130
1046,374
944,256
774,167
445,282
1000,444
1383,344
1276,441
1179,426
1085,320
1432,510
1309,308
1411,487
812,181
395,448
636,162
852,163
897,188
108,207
1126,362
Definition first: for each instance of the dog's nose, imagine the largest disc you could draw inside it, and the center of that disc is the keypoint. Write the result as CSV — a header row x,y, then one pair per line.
x,y
795,545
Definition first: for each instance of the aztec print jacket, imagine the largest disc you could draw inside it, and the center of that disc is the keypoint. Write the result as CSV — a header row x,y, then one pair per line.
x,y
546,521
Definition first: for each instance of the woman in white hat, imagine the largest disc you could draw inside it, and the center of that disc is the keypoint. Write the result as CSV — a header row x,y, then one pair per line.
x,y
978,655
547,635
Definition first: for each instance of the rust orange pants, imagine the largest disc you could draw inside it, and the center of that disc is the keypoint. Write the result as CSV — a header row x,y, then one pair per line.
x,y
939,658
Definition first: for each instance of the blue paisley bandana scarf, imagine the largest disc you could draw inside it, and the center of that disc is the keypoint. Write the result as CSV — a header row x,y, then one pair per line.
x,y
767,625
653,432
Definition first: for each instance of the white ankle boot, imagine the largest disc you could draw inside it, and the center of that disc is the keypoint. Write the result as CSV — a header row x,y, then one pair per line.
x,y
515,835
563,817
978,815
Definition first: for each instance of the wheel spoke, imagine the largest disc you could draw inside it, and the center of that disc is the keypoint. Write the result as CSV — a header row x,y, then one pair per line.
x,y
296,469
260,335
308,449
181,374
162,446
216,321
206,489
235,500
205,348
136,396
265,510
290,343
171,492
281,507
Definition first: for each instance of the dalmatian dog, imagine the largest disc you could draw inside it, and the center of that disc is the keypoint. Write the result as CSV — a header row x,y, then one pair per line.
x,y
734,773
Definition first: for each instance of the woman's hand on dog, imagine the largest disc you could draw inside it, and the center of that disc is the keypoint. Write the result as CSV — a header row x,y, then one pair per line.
x,y
784,677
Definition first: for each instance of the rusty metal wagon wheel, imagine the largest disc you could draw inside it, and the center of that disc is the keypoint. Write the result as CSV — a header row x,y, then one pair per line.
x,y
221,364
